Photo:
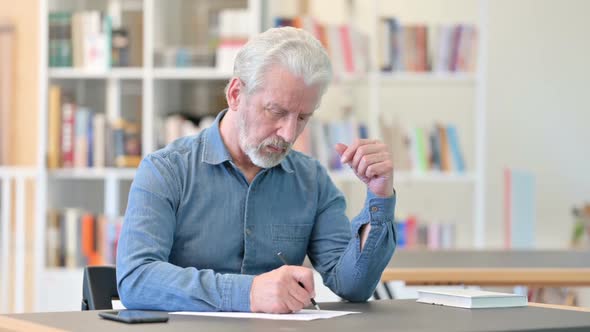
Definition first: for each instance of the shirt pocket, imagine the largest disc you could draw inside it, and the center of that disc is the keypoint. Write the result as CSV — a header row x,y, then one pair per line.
x,y
291,232
291,240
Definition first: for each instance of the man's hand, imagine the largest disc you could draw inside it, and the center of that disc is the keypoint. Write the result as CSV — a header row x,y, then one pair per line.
x,y
371,162
279,292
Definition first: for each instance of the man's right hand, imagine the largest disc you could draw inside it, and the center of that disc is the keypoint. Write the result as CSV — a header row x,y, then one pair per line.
x,y
279,292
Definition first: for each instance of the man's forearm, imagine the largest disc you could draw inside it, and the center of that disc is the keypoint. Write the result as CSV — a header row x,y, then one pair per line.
x,y
164,286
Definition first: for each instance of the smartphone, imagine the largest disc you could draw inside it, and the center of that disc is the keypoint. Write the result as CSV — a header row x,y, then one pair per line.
x,y
135,316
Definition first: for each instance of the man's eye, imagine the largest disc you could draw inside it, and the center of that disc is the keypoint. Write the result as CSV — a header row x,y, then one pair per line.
x,y
305,117
275,112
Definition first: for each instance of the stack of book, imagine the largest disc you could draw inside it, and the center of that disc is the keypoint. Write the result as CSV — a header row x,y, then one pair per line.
x,y
415,233
471,298
424,149
87,39
80,137
75,238
419,48
346,45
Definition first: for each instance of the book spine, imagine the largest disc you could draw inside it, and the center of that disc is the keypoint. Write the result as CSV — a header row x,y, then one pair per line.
x,y
81,137
53,239
347,51
507,209
457,156
68,134
99,132
54,132
71,238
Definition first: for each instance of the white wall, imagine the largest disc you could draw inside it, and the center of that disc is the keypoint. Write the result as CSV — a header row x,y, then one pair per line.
x,y
539,109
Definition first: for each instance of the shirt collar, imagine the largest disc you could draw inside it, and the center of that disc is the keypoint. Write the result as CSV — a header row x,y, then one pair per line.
x,y
215,152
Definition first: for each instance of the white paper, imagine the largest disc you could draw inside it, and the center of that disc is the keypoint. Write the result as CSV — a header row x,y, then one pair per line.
x,y
305,314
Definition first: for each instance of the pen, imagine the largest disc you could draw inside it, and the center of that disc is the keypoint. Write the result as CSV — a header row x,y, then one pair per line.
x,y
315,305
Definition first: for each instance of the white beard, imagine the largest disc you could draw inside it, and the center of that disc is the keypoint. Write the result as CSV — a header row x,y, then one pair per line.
x,y
257,152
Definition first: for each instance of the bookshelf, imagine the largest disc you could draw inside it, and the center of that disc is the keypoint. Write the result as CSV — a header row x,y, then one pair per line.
x,y
433,14
146,89
443,93
155,88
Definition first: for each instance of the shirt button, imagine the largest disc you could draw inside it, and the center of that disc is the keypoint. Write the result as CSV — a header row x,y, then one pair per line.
x,y
248,231
374,209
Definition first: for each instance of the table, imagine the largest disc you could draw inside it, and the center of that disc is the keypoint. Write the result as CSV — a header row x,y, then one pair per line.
x,y
559,268
386,315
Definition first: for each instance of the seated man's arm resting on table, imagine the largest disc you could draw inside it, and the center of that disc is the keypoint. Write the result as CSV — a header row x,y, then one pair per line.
x,y
146,280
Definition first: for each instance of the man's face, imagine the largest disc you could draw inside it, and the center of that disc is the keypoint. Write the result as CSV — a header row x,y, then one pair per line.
x,y
271,119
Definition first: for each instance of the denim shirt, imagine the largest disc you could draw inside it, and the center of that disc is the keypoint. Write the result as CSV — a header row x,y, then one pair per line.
x,y
196,233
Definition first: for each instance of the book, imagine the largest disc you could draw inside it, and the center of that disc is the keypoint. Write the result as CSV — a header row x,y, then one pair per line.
x,y
471,298
133,24
68,134
99,133
75,238
53,240
54,132
346,46
519,209
455,150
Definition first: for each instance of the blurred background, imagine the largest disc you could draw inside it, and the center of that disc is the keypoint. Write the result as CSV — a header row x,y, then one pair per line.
x,y
484,105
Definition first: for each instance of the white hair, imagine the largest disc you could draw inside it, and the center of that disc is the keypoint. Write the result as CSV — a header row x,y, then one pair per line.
x,y
294,49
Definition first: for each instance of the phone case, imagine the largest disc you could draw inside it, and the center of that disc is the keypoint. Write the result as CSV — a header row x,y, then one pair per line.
x,y
135,316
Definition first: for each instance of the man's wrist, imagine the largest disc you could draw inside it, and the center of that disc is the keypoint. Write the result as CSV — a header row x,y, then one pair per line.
x,y
388,194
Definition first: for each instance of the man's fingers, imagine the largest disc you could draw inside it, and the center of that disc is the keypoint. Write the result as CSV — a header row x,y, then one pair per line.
x,y
369,160
351,150
384,168
300,294
340,148
293,303
304,276
363,151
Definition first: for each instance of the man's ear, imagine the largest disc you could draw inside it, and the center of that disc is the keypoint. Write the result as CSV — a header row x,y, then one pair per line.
x,y
233,93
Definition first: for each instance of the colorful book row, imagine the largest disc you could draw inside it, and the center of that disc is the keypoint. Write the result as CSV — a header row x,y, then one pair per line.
x,y
346,45
421,48
420,149
80,137
75,238
412,233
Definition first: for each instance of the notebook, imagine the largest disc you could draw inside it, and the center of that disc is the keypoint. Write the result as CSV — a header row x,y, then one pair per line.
x,y
471,298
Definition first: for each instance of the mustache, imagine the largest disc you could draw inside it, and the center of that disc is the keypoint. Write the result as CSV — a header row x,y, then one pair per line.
x,y
276,142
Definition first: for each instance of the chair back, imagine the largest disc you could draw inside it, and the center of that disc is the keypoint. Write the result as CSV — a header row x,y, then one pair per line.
x,y
99,287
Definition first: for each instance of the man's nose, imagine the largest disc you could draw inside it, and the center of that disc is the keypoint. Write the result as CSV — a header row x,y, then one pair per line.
x,y
288,129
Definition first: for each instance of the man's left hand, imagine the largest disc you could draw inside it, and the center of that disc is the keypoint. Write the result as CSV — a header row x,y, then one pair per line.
x,y
371,162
